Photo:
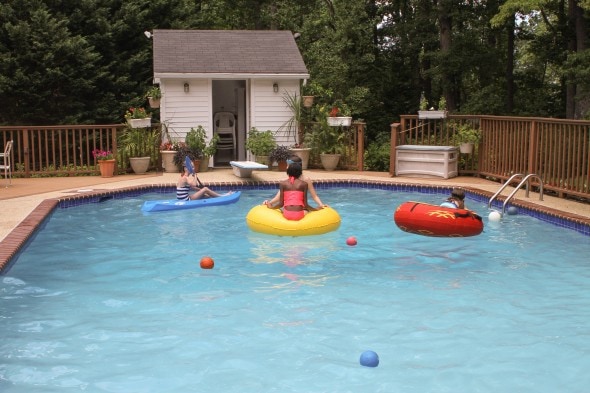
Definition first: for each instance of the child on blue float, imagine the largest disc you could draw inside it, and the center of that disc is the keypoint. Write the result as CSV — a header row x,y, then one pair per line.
x,y
293,195
456,200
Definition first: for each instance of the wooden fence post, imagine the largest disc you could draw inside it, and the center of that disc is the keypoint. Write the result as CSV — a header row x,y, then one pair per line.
x,y
360,146
395,130
26,153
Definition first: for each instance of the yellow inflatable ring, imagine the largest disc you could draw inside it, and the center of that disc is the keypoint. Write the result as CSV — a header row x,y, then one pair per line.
x,y
271,221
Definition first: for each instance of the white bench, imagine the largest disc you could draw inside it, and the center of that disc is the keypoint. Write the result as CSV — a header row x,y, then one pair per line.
x,y
426,161
245,168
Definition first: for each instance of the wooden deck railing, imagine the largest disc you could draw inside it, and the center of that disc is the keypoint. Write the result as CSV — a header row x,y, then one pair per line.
x,y
352,150
40,151
557,150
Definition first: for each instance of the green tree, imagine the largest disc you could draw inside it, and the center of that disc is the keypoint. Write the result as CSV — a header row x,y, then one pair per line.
x,y
557,32
46,72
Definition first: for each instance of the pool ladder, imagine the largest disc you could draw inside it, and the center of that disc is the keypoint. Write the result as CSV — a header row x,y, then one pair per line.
x,y
526,179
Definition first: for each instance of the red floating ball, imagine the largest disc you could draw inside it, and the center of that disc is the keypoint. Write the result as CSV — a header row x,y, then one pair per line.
x,y
351,241
207,263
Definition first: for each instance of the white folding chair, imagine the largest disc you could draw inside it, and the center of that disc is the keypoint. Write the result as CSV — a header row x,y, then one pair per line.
x,y
224,124
5,158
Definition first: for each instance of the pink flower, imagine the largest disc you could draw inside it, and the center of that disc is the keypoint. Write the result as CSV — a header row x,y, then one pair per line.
x,y
102,154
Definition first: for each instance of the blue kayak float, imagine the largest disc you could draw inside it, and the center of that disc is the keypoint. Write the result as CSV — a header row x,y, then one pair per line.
x,y
175,204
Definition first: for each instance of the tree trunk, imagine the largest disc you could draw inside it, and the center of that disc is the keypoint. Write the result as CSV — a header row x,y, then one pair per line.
x,y
570,88
510,66
446,30
582,103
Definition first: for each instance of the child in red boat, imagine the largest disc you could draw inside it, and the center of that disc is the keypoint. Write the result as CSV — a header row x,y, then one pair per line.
x,y
456,200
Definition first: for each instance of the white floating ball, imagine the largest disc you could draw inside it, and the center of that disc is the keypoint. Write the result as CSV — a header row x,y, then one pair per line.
x,y
495,216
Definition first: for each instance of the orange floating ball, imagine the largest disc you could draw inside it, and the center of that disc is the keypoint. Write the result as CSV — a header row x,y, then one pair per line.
x,y
207,263
351,241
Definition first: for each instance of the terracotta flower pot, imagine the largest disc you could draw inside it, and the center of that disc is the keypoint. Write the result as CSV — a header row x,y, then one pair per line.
x,y
154,102
282,166
107,168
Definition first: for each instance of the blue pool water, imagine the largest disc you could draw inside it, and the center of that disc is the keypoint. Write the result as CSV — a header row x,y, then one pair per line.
x,y
106,299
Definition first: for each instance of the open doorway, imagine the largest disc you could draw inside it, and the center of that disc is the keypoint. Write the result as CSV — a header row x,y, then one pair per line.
x,y
229,120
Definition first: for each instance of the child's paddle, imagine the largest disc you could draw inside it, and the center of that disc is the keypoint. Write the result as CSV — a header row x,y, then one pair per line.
x,y
191,169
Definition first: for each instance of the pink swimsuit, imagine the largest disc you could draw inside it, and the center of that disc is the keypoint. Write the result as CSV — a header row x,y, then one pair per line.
x,y
293,215
293,198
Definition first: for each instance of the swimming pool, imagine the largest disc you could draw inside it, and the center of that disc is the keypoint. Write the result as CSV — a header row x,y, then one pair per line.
x,y
107,299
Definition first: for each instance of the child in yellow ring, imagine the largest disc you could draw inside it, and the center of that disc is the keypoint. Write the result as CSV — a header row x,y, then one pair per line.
x,y
297,160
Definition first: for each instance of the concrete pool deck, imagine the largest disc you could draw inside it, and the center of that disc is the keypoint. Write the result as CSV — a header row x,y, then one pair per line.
x,y
21,204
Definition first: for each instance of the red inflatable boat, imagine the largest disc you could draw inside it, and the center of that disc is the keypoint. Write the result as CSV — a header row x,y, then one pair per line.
x,y
431,220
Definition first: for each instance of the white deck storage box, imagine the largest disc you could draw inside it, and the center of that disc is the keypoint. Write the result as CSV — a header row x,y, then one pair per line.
x,y
426,161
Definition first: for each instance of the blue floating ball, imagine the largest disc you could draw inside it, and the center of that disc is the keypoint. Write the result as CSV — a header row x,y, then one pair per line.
x,y
512,210
369,359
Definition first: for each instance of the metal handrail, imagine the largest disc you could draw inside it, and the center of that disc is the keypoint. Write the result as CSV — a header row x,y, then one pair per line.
x,y
526,180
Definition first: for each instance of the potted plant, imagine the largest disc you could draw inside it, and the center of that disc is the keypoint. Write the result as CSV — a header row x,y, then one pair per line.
x,y
168,150
307,95
280,154
292,127
311,90
339,115
196,139
138,144
302,152
106,162
138,118
260,143
425,113
466,136
182,152
307,101
154,95
193,140
327,141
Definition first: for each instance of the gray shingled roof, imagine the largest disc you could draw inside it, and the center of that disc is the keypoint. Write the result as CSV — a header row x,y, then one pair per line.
x,y
227,51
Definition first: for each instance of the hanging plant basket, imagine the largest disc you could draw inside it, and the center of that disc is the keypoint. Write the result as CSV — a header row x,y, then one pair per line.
x,y
337,121
140,123
307,101
466,148
432,114
154,102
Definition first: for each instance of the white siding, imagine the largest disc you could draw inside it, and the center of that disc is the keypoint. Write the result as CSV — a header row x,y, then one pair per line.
x,y
268,109
182,111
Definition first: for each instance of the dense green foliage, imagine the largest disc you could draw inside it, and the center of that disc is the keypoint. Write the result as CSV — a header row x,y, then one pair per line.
x,y
82,61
